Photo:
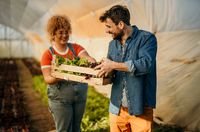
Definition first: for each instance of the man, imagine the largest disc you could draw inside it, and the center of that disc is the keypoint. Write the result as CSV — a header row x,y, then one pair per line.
x,y
132,58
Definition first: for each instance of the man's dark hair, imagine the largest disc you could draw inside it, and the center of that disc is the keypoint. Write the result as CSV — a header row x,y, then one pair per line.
x,y
116,13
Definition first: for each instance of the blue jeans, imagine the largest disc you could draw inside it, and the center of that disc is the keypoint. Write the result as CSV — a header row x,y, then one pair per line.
x,y
67,102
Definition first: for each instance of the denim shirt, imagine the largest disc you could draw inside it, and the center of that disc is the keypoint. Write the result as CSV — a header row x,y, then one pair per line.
x,y
140,80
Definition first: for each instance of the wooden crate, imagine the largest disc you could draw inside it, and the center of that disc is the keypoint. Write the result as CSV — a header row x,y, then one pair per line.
x,y
56,72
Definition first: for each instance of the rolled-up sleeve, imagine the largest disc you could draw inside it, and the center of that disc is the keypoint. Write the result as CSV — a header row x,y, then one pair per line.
x,y
147,56
130,65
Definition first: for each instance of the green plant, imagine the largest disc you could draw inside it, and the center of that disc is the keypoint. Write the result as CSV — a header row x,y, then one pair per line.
x,y
83,62
96,115
74,62
40,87
59,60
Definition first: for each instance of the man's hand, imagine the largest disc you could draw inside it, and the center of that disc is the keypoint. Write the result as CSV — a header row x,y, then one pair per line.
x,y
105,67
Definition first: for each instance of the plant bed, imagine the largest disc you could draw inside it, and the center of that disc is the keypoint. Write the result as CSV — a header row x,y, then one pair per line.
x,y
79,70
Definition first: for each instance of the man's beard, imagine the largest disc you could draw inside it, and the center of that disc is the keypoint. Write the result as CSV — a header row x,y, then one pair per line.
x,y
119,35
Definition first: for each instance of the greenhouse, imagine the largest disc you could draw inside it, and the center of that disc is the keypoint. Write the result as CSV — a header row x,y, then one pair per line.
x,y
24,37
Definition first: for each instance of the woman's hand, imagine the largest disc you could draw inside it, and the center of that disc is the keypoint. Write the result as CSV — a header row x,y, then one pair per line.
x,y
87,56
48,78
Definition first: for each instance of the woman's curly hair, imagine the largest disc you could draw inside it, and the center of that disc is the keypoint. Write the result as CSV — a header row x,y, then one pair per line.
x,y
57,22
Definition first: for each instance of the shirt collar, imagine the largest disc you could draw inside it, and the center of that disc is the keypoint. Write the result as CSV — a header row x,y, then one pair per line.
x,y
134,32
59,52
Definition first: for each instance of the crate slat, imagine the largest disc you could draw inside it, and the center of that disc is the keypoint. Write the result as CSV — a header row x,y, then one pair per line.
x,y
78,69
93,81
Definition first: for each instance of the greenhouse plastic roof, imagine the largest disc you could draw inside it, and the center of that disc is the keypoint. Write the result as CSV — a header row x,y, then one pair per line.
x,y
159,16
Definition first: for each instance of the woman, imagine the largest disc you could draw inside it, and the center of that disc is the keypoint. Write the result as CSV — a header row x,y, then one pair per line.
x,y
67,99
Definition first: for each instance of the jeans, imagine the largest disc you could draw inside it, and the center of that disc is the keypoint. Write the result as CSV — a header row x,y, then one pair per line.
x,y
67,102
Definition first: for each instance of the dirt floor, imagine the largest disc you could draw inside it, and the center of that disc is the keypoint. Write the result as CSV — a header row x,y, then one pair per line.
x,y
40,117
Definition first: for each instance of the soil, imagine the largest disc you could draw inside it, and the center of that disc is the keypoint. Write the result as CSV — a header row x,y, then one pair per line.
x,y
39,115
